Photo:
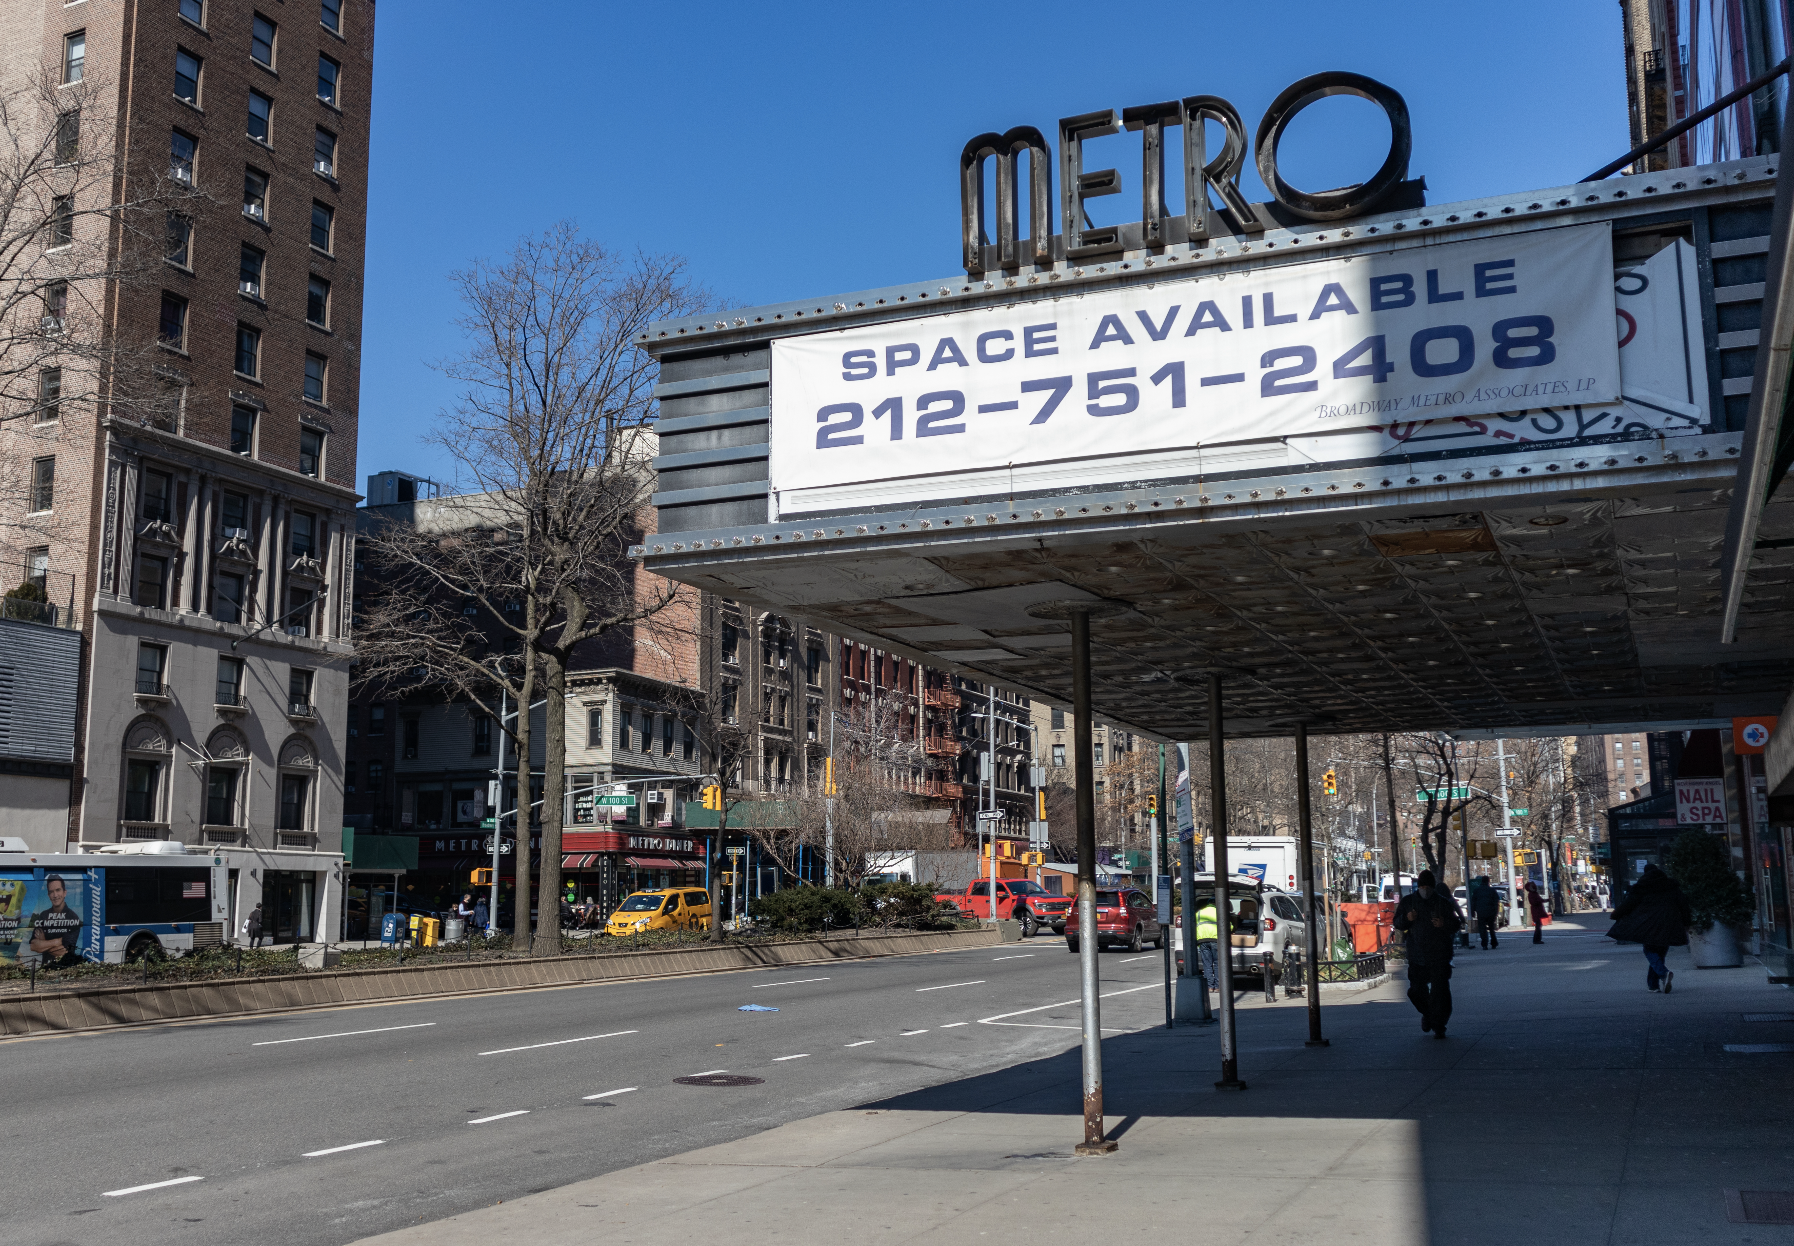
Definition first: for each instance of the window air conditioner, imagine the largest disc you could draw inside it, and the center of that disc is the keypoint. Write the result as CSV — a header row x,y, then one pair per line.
x,y
250,287
239,534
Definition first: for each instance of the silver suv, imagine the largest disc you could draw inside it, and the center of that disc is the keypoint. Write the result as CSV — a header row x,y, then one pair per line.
x,y
1268,923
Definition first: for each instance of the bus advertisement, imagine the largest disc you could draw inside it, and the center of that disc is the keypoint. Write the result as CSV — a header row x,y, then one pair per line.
x,y
60,909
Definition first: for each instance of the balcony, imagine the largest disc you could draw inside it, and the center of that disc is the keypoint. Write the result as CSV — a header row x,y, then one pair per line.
x,y
151,688
299,709
941,698
943,789
941,746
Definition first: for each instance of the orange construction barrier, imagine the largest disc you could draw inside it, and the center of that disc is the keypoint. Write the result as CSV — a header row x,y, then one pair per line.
x,y
1370,924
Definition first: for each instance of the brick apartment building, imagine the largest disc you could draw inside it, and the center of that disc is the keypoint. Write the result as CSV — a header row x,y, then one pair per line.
x,y
202,551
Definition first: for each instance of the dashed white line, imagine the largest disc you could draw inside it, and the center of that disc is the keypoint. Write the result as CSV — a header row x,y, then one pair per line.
x,y
1022,1012
707,1073
501,1116
1132,959
385,1029
793,982
950,985
621,1090
863,1042
907,1033
154,1185
802,1055
557,1043
955,1024
1022,956
353,1146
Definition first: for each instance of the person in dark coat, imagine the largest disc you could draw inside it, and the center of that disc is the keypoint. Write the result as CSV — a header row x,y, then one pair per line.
x,y
1427,919
1536,908
1485,908
1656,914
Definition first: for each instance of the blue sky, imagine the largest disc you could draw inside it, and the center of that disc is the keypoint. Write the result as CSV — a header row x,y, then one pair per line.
x,y
797,150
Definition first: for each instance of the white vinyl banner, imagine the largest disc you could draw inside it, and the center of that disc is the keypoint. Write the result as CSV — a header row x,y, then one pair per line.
x,y
1466,328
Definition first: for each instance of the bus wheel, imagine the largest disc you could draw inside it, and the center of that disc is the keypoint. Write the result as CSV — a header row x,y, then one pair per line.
x,y
144,947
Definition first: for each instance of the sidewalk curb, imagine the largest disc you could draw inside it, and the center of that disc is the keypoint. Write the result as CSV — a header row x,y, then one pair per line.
x,y
1354,987
132,1007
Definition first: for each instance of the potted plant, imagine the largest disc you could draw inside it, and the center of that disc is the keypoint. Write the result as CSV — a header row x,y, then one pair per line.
x,y
1702,863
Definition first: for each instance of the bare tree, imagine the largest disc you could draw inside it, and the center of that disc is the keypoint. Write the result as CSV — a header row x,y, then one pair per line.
x,y
1441,772
551,434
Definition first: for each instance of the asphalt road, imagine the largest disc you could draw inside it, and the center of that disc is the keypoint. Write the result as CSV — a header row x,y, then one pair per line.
x,y
328,1126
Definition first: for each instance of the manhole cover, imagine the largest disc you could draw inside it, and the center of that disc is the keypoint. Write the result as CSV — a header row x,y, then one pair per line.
x,y
719,1079
1758,1049
1769,1016
1759,1206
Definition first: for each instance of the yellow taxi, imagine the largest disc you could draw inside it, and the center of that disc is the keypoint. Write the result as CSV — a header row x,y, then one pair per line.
x,y
672,908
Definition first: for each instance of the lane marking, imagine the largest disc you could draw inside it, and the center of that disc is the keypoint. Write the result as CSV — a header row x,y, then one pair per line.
x,y
907,1033
803,1055
154,1185
623,1090
1022,1012
955,1024
275,1042
501,1116
353,1146
1022,956
558,1043
794,982
949,986
863,1042
1130,960
707,1072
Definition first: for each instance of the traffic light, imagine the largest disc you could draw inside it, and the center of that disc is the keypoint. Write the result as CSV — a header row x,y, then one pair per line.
x,y
1034,858
1040,805
829,787
1152,805
713,797
1330,783
482,878
1457,823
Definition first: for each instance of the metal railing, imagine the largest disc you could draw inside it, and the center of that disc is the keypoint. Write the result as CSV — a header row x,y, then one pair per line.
x,y
1357,969
149,686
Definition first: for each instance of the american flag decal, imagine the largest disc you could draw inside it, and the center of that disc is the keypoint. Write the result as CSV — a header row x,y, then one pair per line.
x,y
193,891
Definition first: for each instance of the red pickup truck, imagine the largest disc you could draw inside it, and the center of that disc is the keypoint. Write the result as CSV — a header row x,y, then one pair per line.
x,y
1019,899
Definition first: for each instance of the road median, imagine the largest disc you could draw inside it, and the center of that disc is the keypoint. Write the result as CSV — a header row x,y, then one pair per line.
x,y
77,1011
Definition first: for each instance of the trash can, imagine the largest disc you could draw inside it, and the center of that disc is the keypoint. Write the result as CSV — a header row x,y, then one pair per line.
x,y
454,929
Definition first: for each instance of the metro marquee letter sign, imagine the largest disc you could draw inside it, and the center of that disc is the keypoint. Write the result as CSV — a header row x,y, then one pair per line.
x,y
1388,188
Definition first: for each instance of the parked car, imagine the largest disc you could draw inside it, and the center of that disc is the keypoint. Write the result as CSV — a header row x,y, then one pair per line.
x,y
1268,922
671,908
1019,899
1124,918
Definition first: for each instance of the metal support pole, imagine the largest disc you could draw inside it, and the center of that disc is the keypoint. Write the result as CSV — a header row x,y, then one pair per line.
x,y
1089,988
828,806
1305,859
1161,860
1195,981
1217,781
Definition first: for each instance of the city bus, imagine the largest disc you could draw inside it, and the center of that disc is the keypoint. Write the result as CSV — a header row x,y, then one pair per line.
x,y
120,903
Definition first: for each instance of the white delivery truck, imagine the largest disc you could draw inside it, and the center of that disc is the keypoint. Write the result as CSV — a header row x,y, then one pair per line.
x,y
1268,859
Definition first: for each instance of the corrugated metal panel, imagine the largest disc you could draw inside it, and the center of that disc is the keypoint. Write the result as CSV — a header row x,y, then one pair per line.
x,y
713,447
40,672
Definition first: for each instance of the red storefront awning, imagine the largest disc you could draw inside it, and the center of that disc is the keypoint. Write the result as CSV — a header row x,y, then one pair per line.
x,y
661,863
580,861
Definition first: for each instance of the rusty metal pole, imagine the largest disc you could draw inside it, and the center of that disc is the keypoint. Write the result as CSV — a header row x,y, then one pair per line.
x,y
1305,851
1217,782
1088,981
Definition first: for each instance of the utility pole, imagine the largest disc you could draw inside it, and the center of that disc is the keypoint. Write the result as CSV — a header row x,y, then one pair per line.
x,y
828,807
1507,838
498,788
990,766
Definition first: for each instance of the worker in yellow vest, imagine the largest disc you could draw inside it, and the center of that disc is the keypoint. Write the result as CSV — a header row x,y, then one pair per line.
x,y
1207,937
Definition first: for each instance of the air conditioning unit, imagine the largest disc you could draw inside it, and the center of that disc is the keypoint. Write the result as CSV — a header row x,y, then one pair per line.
x,y
656,796
323,166
253,209
237,534
250,287
50,324
296,629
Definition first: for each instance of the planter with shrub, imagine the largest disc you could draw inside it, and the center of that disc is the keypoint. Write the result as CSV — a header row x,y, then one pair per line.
x,y
1701,863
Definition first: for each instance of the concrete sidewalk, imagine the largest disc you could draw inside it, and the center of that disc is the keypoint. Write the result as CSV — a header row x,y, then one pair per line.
x,y
1568,1106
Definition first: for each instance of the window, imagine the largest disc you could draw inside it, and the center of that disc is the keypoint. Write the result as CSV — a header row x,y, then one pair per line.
x,y
304,534
37,566
152,582
1635,746
49,395
181,150
292,802
317,301
376,720
249,281
324,153
731,696
221,796
173,328
68,136
315,369
813,719
1098,746
180,240
311,444
625,730
813,665
298,612
242,430
260,125
186,76
595,728
74,56
249,351
691,741
194,11
1059,755
261,40
482,735
233,515
43,483
322,215
227,599
230,682
731,643
141,781
158,496
151,663
376,774
255,195
62,221
299,690
410,738
328,73
666,737
330,12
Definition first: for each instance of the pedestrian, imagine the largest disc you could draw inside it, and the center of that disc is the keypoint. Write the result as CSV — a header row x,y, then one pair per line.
x,y
1485,906
252,926
1207,936
464,910
1536,907
481,913
1656,914
1428,918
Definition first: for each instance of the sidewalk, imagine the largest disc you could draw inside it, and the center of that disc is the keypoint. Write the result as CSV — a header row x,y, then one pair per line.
x,y
1568,1106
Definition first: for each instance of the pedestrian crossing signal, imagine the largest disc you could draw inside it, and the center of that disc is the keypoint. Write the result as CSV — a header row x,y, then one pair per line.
x,y
1330,783
482,878
713,797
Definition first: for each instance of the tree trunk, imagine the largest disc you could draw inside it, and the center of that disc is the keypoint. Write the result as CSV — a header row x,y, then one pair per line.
x,y
521,853
554,782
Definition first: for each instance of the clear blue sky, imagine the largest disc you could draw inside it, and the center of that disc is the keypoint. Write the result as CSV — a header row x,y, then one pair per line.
x,y
796,150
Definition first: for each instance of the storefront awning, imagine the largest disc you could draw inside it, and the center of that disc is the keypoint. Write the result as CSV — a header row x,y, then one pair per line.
x,y
580,861
661,863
